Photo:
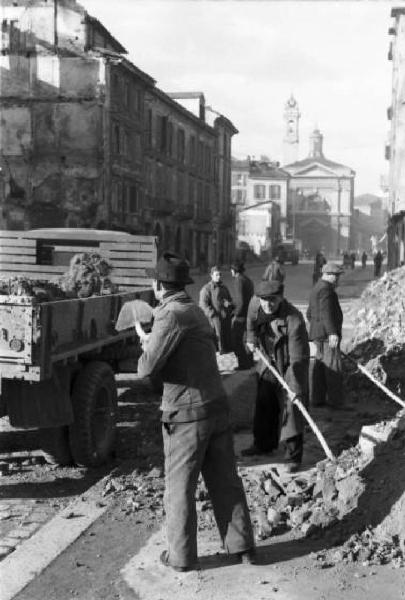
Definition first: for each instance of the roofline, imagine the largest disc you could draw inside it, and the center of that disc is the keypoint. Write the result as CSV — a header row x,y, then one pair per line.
x,y
185,95
166,98
227,123
127,64
303,162
109,35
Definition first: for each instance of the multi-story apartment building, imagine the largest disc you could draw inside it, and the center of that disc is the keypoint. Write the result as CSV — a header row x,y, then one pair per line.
x,y
395,148
88,140
260,191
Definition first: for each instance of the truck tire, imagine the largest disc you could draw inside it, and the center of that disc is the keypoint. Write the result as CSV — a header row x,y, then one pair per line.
x,y
55,446
94,400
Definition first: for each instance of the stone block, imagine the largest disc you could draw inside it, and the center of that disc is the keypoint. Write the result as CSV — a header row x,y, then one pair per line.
x,y
241,387
372,436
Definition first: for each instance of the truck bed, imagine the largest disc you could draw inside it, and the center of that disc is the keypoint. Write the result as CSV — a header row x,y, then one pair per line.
x,y
34,336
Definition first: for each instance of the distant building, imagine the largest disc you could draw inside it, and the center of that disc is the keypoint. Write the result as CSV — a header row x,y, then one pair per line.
x,y
259,191
369,222
395,147
320,201
88,140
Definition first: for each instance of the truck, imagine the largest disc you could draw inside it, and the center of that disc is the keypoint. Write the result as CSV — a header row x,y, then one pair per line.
x,y
288,252
58,358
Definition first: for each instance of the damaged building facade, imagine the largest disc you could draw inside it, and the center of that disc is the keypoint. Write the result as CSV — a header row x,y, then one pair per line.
x,y
88,140
395,148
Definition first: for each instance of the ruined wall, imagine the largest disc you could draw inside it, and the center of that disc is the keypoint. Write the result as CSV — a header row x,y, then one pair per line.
x,y
51,119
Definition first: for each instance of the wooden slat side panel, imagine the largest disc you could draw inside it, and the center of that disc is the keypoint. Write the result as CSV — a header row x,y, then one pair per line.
x,y
116,272
40,275
146,281
5,233
126,246
18,242
51,269
21,258
130,264
17,251
133,256
76,249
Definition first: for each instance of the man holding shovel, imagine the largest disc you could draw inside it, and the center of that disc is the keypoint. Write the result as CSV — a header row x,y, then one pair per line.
x,y
197,437
278,328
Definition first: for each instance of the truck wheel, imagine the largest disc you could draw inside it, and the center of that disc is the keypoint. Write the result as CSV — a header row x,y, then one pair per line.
x,y
94,401
55,446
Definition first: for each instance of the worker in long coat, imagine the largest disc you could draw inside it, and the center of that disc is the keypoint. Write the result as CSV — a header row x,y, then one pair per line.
x,y
325,319
278,328
242,292
217,304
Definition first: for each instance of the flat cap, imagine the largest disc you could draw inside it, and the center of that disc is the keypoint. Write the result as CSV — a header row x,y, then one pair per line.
x,y
333,268
266,288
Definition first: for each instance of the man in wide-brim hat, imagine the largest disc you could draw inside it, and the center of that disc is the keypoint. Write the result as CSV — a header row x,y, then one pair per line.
x,y
197,438
325,330
278,328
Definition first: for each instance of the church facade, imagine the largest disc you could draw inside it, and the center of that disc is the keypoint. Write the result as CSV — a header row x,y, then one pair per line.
x,y
320,196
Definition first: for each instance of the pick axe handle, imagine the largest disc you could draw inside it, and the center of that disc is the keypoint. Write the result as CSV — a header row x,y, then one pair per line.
x,y
299,405
376,382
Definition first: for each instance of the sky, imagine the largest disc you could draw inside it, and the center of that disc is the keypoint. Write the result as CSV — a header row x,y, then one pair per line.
x,y
248,56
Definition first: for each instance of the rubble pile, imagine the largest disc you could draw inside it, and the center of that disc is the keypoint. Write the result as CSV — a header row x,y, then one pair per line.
x,y
314,500
88,275
379,325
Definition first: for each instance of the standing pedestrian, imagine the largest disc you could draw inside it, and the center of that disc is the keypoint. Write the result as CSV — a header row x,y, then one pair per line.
x,y
325,330
197,438
364,259
279,329
378,259
275,270
217,304
242,293
352,260
319,261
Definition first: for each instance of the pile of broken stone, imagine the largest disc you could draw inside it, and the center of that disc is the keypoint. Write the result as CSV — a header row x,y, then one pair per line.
x,y
379,325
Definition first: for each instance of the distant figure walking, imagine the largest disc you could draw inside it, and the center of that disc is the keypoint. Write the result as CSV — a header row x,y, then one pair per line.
x,y
378,259
363,260
319,261
217,304
274,271
242,292
352,260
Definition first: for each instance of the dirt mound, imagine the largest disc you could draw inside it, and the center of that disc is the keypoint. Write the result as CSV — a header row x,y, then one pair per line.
x,y
379,325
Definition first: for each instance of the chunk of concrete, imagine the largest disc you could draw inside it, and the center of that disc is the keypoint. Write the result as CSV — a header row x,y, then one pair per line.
x,y
241,388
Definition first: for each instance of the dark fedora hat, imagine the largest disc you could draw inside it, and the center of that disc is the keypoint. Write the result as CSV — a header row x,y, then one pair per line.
x,y
171,268
267,289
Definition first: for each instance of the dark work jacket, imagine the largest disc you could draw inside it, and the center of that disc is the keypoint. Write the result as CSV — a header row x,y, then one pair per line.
x,y
243,291
284,338
324,313
181,353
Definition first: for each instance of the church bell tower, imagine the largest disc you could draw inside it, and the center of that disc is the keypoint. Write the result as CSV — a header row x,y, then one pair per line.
x,y
291,136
